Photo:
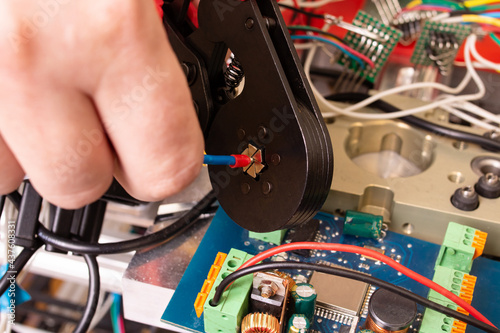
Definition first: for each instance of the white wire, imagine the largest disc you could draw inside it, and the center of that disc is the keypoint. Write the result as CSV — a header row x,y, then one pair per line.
x,y
440,17
469,118
484,61
335,110
101,312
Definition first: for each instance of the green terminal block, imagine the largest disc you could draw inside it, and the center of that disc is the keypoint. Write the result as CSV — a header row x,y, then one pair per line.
x,y
457,251
226,317
274,237
436,322
457,282
363,225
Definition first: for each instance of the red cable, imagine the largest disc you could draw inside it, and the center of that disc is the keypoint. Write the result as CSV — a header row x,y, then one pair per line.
x,y
373,254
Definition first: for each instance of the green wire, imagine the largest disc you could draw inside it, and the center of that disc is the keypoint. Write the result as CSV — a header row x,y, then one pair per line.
x,y
484,7
495,38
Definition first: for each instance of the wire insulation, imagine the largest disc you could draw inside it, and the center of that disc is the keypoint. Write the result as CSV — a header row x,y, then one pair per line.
x,y
422,123
350,275
164,235
93,294
20,262
373,254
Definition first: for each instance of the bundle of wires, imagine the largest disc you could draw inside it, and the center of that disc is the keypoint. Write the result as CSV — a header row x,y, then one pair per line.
x,y
251,266
90,251
116,314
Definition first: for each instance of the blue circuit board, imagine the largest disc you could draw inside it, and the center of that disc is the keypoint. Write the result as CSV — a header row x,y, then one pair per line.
x,y
420,256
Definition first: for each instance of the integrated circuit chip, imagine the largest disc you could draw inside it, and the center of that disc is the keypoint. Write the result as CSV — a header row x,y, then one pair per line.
x,y
339,293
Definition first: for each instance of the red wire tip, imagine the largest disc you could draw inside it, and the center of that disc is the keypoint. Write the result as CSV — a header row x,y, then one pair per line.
x,y
241,161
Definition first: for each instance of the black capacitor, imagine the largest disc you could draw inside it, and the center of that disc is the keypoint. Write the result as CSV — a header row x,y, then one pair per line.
x,y
390,313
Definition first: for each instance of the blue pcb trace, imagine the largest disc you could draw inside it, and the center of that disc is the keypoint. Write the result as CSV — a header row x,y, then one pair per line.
x,y
420,256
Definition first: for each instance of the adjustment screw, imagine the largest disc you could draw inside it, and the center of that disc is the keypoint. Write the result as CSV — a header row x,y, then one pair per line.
x,y
267,187
268,288
488,186
245,188
465,199
249,23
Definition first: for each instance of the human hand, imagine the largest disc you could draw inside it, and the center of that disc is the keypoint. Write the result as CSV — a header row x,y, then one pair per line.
x,y
92,89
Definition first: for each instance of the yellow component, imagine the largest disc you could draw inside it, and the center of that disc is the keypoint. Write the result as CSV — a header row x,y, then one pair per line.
x,y
459,309
473,3
479,242
458,327
467,289
414,3
481,19
209,282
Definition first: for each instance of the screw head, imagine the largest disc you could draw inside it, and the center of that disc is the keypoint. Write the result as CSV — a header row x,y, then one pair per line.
x,y
241,134
268,288
245,188
249,24
267,187
276,159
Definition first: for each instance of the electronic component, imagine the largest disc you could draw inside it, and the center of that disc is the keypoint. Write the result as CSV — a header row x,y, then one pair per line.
x,y
260,322
438,44
304,233
363,224
488,186
353,74
461,245
228,314
273,237
338,293
270,295
374,249
304,297
410,24
209,282
298,323
389,312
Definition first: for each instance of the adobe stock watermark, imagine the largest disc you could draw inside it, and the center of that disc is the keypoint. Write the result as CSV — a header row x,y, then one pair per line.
x,y
11,272
121,108
277,124
31,26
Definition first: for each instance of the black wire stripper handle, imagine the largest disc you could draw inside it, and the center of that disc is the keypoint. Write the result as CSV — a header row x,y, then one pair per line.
x,y
275,113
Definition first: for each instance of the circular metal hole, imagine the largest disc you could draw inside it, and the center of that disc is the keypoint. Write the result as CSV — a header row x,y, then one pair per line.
x,y
408,228
389,150
456,177
483,165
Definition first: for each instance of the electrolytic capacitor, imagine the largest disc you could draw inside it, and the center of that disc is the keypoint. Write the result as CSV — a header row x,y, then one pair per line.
x,y
304,296
298,323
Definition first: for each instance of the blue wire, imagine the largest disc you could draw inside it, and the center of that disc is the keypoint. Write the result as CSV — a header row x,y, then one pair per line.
x,y
492,14
219,160
115,312
328,41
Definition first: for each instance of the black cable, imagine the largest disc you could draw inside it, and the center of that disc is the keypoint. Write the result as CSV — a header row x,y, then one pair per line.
x,y
2,203
18,265
187,220
298,10
354,276
15,198
93,294
421,123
